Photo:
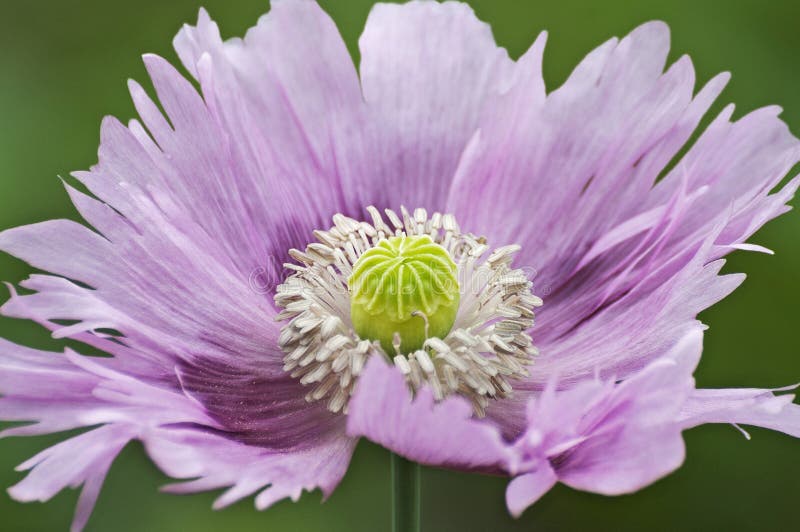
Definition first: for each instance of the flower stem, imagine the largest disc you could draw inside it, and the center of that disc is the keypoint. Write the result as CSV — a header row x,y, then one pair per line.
x,y
405,495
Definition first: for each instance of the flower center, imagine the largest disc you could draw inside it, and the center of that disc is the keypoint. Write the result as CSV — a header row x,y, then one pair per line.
x,y
403,291
417,291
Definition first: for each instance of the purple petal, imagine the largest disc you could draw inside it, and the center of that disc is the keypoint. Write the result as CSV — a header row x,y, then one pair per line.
x,y
648,443
427,71
441,434
573,176
626,462
214,462
739,163
288,100
84,459
762,408
524,490
191,312
606,438
59,392
581,133
637,328
185,217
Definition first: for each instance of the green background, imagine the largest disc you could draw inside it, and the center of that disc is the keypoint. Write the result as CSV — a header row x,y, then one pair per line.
x,y
63,65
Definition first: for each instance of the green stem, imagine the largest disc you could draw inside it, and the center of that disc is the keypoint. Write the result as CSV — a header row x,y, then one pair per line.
x,y
405,495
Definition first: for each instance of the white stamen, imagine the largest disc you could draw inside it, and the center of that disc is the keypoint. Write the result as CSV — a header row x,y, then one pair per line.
x,y
487,347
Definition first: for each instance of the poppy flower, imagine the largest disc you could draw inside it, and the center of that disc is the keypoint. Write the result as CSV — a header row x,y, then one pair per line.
x,y
432,252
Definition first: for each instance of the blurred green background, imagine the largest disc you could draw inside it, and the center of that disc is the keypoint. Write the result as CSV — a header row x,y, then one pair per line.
x,y
64,65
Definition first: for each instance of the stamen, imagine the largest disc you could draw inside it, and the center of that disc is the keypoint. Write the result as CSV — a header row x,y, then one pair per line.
x,y
486,348
420,314
396,343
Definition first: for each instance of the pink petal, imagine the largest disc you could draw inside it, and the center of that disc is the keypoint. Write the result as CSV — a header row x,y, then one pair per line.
x,y
524,490
442,434
427,71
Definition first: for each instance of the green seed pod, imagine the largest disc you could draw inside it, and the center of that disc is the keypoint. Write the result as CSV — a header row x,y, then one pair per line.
x,y
405,285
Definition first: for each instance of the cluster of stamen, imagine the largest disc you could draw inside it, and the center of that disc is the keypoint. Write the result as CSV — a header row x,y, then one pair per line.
x,y
487,346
